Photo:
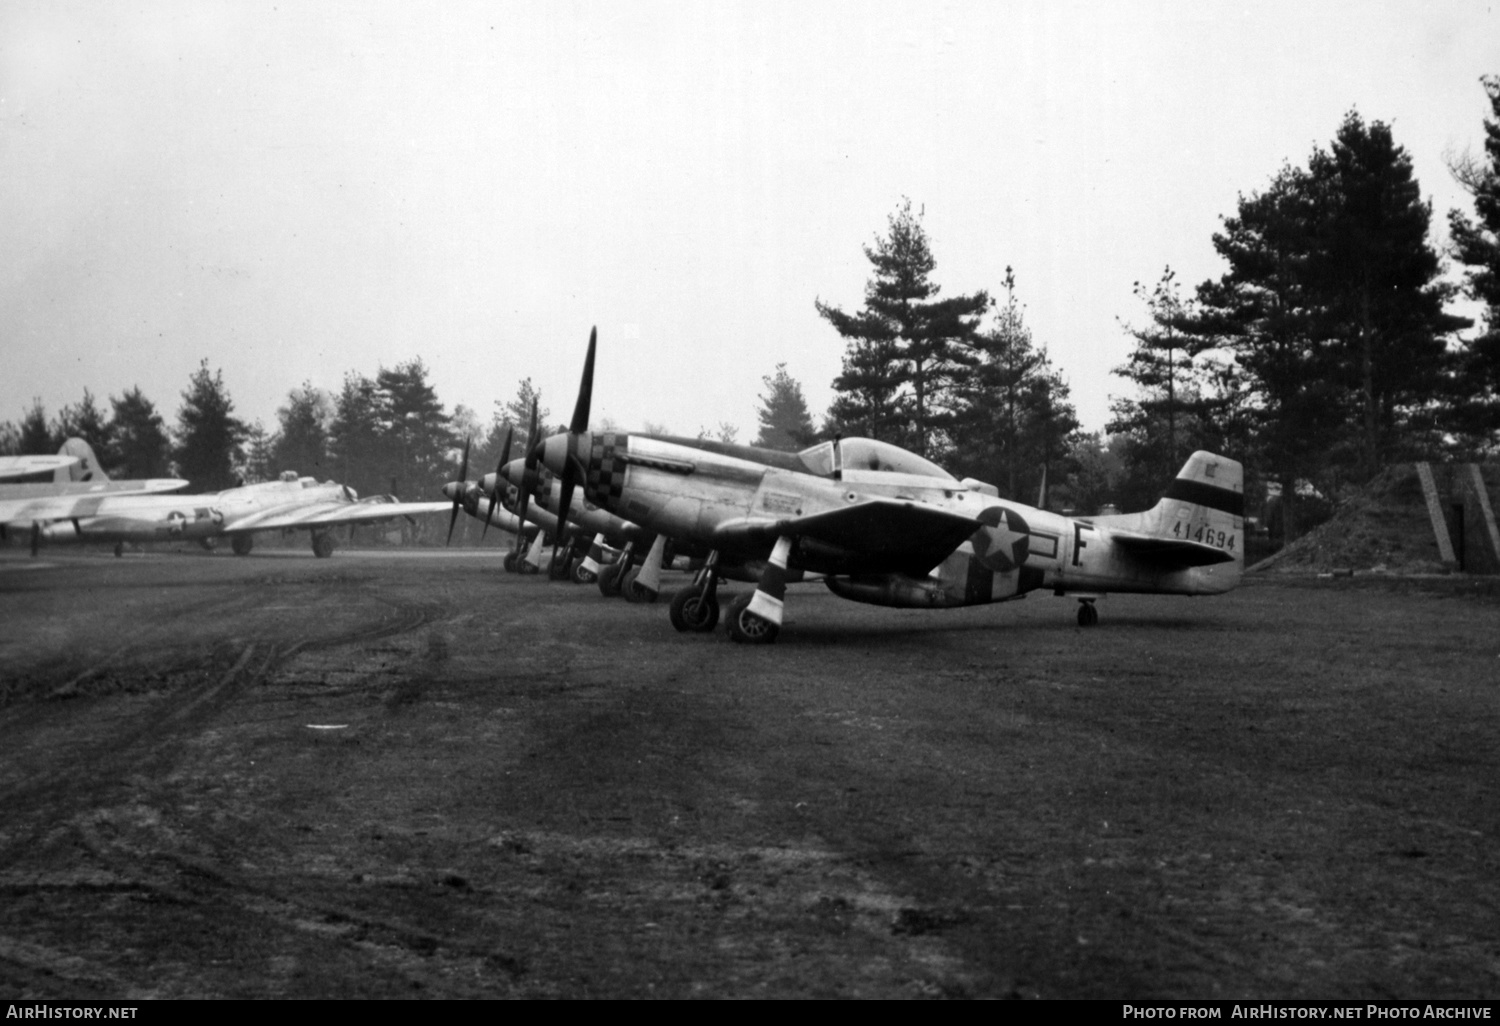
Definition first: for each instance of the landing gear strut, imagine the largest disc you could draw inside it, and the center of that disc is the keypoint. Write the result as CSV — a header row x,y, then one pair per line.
x,y
612,577
696,607
755,619
748,628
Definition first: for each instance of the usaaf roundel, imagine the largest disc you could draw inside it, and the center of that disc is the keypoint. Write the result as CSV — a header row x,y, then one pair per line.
x,y
1002,544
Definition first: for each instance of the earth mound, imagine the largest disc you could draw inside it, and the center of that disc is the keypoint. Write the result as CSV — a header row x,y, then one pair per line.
x,y
1385,528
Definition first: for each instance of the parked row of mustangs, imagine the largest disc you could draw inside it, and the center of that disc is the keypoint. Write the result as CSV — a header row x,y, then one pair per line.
x,y
874,522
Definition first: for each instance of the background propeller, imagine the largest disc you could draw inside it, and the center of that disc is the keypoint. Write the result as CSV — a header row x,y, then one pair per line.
x,y
572,468
495,495
525,489
463,478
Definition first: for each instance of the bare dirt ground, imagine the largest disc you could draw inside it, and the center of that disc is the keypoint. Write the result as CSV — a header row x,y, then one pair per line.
x,y
416,775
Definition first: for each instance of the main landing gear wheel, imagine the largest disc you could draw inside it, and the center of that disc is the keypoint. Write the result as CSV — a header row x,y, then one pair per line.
x,y
583,575
241,544
557,570
746,627
510,562
1088,616
609,580
634,590
119,549
322,545
692,612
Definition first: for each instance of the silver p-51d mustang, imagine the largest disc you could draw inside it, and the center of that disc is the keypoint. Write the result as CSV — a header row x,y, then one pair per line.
x,y
885,526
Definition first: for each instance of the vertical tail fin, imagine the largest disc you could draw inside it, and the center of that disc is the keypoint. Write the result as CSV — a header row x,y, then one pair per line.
x,y
1205,504
1196,529
87,468
1208,484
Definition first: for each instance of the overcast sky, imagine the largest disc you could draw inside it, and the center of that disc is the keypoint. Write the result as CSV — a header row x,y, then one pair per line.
x,y
295,190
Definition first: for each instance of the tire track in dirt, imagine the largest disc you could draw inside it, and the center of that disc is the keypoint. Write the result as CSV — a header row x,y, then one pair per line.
x,y
67,837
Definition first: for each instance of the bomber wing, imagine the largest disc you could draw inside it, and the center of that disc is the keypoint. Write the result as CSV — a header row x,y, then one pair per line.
x,y
890,532
70,502
323,514
1170,552
12,467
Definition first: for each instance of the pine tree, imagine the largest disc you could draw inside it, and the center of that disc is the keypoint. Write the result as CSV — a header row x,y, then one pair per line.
x,y
517,414
1169,379
37,438
354,436
416,429
209,436
1013,418
1265,310
140,447
301,440
785,423
258,455
906,349
87,421
1476,245
1380,286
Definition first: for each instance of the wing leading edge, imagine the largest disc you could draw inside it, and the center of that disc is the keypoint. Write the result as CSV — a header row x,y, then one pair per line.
x,y
323,514
886,531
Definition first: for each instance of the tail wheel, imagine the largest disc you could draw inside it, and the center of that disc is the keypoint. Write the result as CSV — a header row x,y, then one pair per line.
x,y
690,611
746,627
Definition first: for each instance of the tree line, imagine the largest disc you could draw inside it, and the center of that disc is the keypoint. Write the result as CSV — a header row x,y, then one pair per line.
x,y
387,434
1326,351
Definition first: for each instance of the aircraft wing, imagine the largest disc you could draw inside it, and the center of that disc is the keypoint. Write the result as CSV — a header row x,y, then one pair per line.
x,y
1170,552
25,466
325,514
73,501
887,530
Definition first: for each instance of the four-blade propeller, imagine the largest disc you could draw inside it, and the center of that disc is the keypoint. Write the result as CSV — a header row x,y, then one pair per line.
x,y
572,468
495,495
458,493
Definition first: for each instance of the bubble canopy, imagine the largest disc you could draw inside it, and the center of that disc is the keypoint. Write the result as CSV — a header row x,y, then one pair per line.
x,y
870,454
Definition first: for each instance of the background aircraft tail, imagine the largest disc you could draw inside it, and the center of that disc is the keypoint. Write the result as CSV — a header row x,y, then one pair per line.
x,y
87,468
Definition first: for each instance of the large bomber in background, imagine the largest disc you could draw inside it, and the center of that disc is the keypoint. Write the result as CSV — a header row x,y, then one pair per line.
x,y
292,503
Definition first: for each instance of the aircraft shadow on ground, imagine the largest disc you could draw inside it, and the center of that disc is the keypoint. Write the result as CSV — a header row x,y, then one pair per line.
x,y
824,625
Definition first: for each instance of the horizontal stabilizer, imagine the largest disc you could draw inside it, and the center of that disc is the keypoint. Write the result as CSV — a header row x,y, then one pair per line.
x,y
1171,552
